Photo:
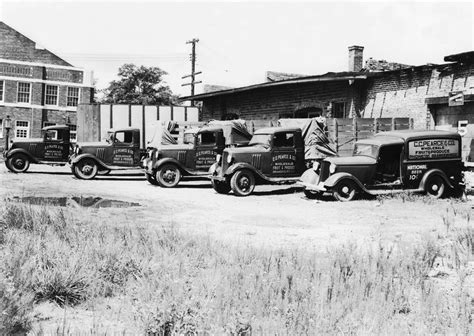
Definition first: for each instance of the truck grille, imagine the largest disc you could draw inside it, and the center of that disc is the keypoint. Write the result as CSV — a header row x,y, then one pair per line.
x,y
324,171
182,156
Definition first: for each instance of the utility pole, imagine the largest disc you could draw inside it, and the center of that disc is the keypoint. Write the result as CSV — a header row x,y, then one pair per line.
x,y
193,68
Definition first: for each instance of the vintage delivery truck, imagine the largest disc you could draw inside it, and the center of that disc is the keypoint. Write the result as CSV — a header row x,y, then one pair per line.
x,y
410,160
53,148
166,163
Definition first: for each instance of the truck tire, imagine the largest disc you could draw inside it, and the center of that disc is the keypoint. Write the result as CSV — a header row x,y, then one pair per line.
x,y
168,175
311,194
18,163
221,187
435,186
151,179
85,169
242,182
344,191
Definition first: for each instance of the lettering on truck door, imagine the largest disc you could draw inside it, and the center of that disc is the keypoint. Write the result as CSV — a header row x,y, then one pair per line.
x,y
284,155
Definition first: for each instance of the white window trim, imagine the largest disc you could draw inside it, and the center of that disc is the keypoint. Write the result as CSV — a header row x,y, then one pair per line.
x,y
18,91
27,128
3,90
72,132
45,94
78,95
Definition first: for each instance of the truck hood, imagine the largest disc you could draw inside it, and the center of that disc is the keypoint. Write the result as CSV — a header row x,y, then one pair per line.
x,y
91,144
30,140
248,149
352,160
175,147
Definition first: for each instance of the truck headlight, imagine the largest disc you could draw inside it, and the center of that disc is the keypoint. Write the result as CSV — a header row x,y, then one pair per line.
x,y
157,154
332,168
229,159
218,157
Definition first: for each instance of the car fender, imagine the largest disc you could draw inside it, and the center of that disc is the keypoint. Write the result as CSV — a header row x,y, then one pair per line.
x,y
21,151
163,161
78,158
309,177
434,172
332,180
243,165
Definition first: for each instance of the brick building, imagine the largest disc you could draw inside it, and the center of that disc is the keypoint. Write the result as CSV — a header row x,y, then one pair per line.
x,y
38,88
375,90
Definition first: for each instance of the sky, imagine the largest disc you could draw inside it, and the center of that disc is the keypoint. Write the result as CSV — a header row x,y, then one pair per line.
x,y
240,41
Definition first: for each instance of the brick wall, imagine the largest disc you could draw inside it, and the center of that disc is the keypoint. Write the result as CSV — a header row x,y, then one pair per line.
x,y
403,93
268,103
16,46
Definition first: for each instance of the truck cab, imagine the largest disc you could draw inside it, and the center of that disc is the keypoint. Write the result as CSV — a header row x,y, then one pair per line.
x,y
165,165
120,150
274,155
390,162
52,148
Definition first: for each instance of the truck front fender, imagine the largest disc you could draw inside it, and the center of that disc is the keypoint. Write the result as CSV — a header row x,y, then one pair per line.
x,y
175,162
78,158
433,172
10,153
332,180
309,177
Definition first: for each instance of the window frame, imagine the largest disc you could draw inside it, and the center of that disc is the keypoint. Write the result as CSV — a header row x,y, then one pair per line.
x,y
71,132
2,91
48,123
18,93
22,128
68,97
46,95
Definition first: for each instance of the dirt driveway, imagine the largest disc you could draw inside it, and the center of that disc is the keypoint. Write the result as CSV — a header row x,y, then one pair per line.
x,y
274,215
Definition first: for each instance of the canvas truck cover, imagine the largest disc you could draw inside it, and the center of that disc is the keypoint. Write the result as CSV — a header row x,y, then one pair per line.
x,y
235,131
162,135
317,144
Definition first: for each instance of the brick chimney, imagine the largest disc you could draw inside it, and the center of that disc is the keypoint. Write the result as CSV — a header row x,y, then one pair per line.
x,y
356,55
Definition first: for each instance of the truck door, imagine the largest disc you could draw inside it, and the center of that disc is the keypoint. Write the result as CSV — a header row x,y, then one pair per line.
x,y
284,155
123,151
206,151
53,147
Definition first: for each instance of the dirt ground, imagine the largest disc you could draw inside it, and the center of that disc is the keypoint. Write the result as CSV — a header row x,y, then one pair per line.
x,y
273,216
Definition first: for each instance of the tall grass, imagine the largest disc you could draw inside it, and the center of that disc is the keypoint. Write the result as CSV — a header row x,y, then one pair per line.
x,y
180,284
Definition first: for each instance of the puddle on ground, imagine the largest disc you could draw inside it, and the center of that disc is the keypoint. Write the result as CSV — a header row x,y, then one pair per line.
x,y
85,202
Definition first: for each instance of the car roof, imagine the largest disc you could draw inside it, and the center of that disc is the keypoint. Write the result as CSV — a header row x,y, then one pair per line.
x,y
273,130
55,127
123,129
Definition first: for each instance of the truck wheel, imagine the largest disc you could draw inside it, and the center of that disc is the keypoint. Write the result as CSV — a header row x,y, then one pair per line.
x,y
168,176
435,186
344,191
18,163
221,187
242,182
85,169
151,179
311,194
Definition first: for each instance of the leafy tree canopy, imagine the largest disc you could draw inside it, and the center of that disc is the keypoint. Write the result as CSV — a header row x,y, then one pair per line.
x,y
139,85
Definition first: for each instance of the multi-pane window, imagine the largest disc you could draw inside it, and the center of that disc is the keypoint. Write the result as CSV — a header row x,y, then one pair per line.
x,y
51,95
22,129
72,132
1,90
339,110
72,96
23,92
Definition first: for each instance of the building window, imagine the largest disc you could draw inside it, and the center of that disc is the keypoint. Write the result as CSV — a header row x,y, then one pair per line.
x,y
22,129
51,95
23,92
1,90
339,110
72,133
72,96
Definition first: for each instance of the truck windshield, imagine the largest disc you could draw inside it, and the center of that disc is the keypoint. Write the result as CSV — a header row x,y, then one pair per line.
x,y
260,139
366,150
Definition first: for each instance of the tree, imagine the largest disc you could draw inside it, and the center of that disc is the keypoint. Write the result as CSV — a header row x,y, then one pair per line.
x,y
139,85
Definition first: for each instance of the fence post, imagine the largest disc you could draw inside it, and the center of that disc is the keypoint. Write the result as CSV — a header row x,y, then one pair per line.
x,y
393,124
336,134
411,123
354,128
375,126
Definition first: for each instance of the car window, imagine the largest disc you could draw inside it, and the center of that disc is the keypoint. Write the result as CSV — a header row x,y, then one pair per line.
x,y
206,138
124,137
365,150
284,140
